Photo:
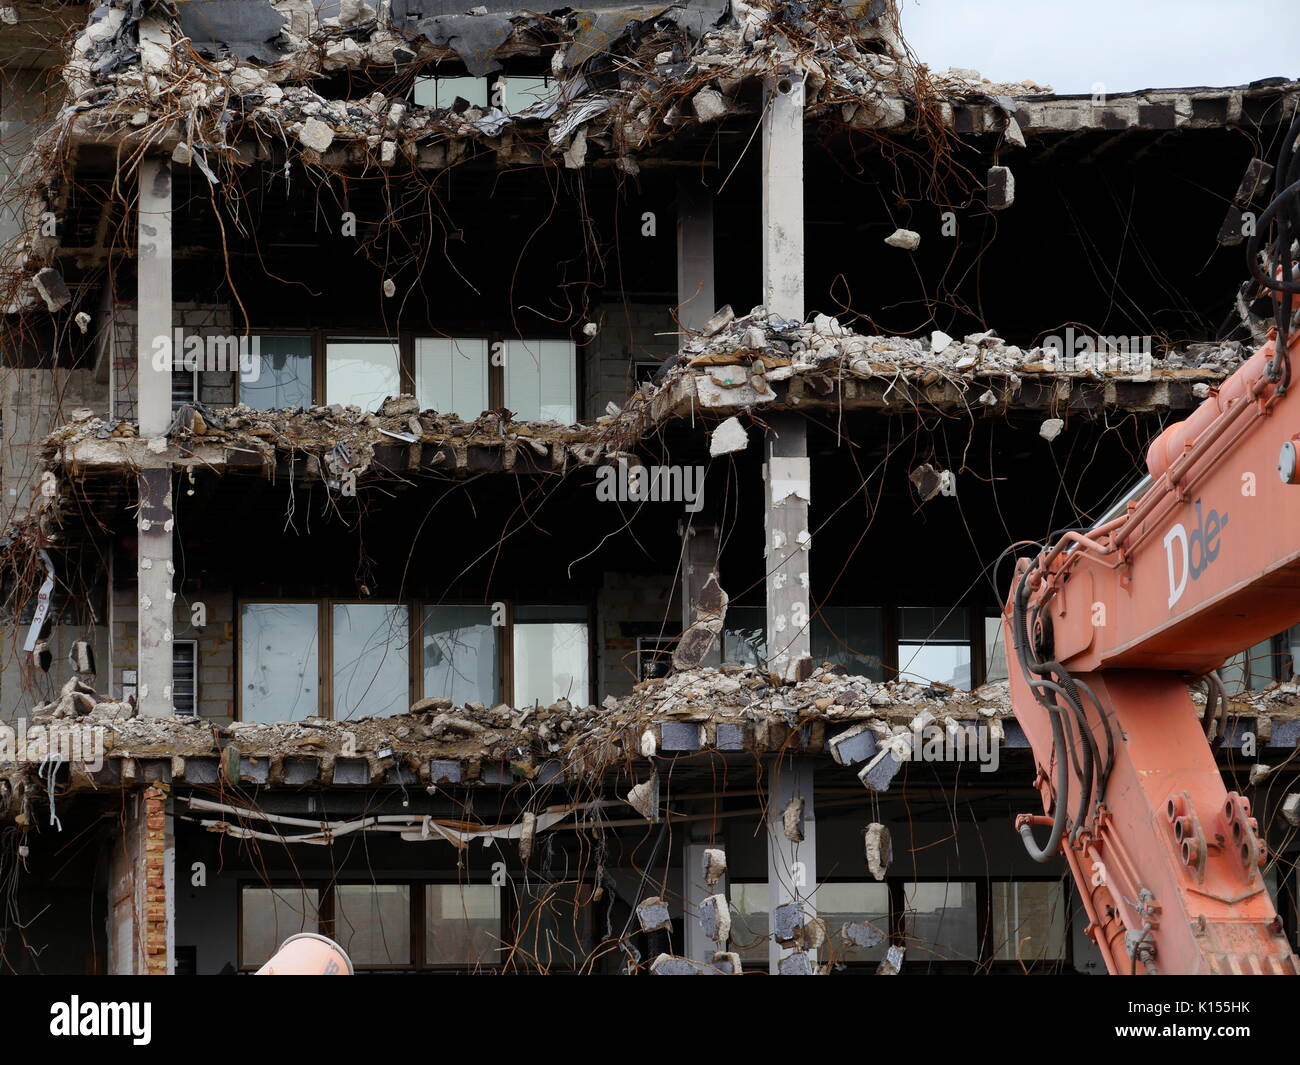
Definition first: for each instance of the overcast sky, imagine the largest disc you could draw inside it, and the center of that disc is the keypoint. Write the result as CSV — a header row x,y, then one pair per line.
x,y
1123,44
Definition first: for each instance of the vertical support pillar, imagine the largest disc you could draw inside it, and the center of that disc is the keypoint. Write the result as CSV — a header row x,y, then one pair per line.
x,y
791,862
783,235
696,300
142,888
154,567
786,494
699,559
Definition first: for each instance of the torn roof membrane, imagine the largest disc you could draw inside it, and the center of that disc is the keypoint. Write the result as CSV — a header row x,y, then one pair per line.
x,y
246,29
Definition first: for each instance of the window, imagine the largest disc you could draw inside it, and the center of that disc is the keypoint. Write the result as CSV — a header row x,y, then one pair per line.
x,y
852,637
555,925
551,655
369,651
185,387
995,653
270,915
451,375
750,923
941,921
278,663
518,93
361,652
1029,921
745,636
1252,669
443,92
185,676
540,380
361,372
462,654
462,925
372,923
866,902
934,645
285,374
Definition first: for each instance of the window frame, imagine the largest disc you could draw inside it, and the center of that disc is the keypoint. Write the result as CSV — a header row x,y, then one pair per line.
x,y
405,340
415,610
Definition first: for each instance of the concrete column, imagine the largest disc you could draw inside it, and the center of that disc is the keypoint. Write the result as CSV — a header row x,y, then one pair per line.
x,y
696,300
791,861
786,493
783,237
154,568
699,559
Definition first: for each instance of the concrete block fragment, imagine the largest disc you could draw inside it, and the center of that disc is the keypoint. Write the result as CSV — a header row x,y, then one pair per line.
x,y
254,770
445,771
1001,188
671,965
879,849
715,918
351,771
879,773
679,736
861,934
1291,808
854,745
301,770
653,914
792,819
315,135
892,963
728,963
731,738
51,287
729,436
715,866
709,104
788,922
907,239
797,964
644,798
1051,429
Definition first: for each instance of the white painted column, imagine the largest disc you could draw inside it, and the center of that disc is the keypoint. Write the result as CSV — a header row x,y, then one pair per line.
x,y
791,863
696,300
786,494
783,235
154,567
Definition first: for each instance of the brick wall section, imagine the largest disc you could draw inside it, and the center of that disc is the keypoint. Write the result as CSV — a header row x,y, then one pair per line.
x,y
196,319
629,333
155,909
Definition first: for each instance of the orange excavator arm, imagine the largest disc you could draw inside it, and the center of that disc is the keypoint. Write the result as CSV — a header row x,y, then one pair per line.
x,y
1105,629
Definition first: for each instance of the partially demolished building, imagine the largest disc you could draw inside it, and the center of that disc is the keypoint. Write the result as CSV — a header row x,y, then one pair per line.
x,y
534,491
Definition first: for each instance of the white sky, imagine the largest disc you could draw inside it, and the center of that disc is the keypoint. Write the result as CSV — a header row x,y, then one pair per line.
x,y
1122,44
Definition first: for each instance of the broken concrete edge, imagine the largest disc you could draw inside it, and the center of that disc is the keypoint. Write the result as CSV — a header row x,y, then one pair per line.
x,y
706,712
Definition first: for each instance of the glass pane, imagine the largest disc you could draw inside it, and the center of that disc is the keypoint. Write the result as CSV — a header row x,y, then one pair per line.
x,y
460,654
284,379
361,372
937,663
550,662
1250,670
941,922
278,661
923,624
540,380
371,670
745,635
1029,921
749,923
555,926
521,93
269,916
451,375
852,637
462,925
372,922
442,92
995,654
862,903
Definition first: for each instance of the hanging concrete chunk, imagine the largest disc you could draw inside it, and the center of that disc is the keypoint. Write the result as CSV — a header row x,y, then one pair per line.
x,y
796,964
788,922
862,935
879,848
1002,188
792,819
1291,808
709,105
1051,429
907,239
51,287
729,436
892,963
653,914
715,866
879,773
715,918
526,836
728,963
672,965
315,135
854,745
644,798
